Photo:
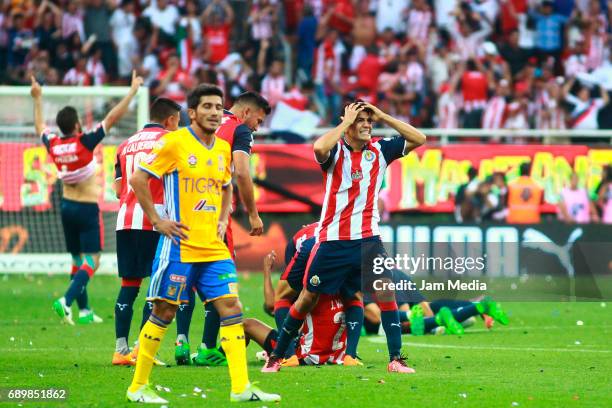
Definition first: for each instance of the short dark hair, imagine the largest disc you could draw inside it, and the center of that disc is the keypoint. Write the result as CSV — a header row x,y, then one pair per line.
x,y
366,110
193,99
525,169
67,119
472,173
162,108
253,99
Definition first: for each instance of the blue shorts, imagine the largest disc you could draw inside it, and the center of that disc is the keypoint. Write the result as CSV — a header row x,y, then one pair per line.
x,y
135,253
294,272
81,222
335,267
171,281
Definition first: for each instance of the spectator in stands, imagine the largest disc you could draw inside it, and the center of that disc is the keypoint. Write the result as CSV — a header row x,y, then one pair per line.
x,y
464,195
474,88
78,75
262,19
364,26
524,198
306,44
419,17
72,20
20,40
217,28
575,205
513,54
586,109
549,30
495,110
164,17
122,24
273,83
172,82
97,22
47,26
604,196
389,15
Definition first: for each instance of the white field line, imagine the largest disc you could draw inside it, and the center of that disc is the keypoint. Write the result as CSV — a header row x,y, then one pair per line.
x,y
382,340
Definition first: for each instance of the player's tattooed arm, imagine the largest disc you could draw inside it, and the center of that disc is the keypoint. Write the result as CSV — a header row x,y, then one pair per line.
x,y
172,229
36,92
226,201
413,137
323,145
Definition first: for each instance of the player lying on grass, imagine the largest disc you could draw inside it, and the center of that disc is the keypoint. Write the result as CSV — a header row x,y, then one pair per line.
x,y
195,167
347,237
322,338
136,238
72,152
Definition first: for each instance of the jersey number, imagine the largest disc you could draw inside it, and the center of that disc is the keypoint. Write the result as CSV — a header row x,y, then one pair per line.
x,y
131,164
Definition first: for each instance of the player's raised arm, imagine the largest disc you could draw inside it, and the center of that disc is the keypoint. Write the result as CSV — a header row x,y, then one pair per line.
x,y
413,137
140,184
121,108
323,145
268,288
36,92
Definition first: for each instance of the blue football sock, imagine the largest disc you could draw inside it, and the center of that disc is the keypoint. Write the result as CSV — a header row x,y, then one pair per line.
x,y
354,323
78,284
124,310
212,323
183,316
290,330
393,331
147,309
436,305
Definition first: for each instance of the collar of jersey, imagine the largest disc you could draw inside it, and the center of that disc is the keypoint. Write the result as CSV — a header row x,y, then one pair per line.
x,y
348,146
200,140
152,125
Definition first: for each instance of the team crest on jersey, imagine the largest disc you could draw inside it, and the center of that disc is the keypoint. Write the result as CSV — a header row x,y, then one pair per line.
x,y
368,155
192,160
171,291
221,164
315,281
209,162
356,175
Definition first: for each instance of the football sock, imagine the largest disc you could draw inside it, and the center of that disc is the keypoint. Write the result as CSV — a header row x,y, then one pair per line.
x,y
232,340
83,300
354,323
436,305
389,317
211,325
146,312
465,312
121,346
290,329
403,316
281,309
124,309
78,284
149,341
430,324
183,316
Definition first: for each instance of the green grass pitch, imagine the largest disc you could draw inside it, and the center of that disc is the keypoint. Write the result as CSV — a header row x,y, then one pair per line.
x,y
542,359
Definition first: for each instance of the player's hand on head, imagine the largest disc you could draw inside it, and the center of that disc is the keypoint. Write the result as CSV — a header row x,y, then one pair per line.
x,y
352,111
172,229
256,225
137,80
377,113
36,89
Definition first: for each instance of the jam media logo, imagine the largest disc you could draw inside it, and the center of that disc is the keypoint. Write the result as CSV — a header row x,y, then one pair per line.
x,y
192,160
357,175
368,155
201,206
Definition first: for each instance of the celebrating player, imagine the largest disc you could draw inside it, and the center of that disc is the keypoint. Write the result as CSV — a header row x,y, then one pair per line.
x,y
353,167
243,118
73,155
136,238
195,166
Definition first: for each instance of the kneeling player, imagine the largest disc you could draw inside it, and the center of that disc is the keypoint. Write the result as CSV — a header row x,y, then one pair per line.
x,y
136,238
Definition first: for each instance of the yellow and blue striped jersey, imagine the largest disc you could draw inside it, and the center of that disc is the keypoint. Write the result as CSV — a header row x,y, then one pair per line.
x,y
193,176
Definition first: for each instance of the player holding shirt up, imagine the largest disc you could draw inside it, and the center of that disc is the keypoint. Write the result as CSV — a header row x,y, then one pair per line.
x,y
347,236
73,155
136,238
195,167
244,117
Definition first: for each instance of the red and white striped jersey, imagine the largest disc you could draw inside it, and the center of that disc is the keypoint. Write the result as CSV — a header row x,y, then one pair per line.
x,y
448,111
418,25
129,154
494,112
273,88
413,78
352,182
323,337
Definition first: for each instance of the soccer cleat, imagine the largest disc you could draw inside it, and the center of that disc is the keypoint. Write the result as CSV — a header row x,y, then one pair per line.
x,y
156,361
493,309
488,321
88,316
123,359
145,395
292,361
417,321
261,355
273,364
351,361
398,365
253,393
210,357
63,311
182,354
469,322
445,318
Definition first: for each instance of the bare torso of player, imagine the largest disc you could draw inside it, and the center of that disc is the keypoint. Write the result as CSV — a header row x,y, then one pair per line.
x,y
86,191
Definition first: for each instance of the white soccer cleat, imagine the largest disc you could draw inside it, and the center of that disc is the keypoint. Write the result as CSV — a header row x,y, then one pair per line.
x,y
253,393
145,395
63,311
87,316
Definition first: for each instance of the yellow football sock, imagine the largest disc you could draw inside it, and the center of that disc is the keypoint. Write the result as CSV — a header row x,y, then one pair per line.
x,y
149,340
232,341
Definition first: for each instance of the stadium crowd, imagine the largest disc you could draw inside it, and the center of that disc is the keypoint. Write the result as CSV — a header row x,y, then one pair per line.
x,y
491,64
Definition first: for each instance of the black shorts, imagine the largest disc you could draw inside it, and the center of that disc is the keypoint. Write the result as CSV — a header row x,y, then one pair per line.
x,y
135,252
294,272
82,229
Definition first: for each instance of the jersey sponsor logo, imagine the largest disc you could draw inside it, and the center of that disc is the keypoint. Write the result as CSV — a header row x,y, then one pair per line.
x,y
178,278
192,160
315,281
202,185
368,155
356,175
201,206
